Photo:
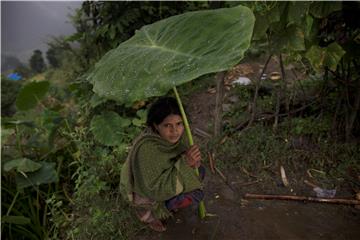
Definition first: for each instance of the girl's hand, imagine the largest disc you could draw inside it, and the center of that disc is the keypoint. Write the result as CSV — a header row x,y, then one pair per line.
x,y
193,156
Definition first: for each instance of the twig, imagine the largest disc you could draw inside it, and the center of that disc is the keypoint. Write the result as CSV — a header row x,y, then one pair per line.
x,y
202,133
248,173
247,183
315,170
302,198
257,86
220,173
224,178
211,162
243,126
223,140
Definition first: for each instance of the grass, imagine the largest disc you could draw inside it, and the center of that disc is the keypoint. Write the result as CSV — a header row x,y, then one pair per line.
x,y
259,152
105,217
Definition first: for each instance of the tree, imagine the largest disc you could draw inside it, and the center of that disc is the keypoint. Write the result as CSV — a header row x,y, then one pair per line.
x,y
37,63
52,56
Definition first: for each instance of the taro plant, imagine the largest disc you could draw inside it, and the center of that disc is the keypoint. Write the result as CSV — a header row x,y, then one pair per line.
x,y
171,52
32,158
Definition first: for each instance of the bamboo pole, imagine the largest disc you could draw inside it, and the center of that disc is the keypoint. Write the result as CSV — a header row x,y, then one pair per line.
x,y
303,198
202,210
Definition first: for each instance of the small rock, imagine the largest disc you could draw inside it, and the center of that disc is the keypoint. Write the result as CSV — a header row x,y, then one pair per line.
x,y
226,107
233,99
242,81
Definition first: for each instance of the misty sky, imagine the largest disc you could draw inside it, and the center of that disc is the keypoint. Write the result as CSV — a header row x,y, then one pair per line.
x,y
28,25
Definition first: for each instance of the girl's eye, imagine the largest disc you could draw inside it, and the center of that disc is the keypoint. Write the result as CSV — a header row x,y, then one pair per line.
x,y
180,124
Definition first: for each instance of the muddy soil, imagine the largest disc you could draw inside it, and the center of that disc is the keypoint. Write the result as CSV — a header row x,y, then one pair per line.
x,y
239,218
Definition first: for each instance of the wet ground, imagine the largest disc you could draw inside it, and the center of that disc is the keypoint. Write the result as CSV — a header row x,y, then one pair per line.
x,y
237,218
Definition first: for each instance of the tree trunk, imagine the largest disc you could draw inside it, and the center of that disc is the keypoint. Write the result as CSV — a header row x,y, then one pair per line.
x,y
277,109
218,105
257,86
352,115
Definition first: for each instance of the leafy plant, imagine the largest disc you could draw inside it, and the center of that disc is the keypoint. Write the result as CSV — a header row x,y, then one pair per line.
x,y
108,128
325,57
31,94
22,165
9,91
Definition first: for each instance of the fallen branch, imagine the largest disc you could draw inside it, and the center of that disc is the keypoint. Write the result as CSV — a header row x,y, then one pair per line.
x,y
302,198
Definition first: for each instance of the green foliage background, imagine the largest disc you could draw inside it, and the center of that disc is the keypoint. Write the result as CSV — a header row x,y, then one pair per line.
x,y
74,195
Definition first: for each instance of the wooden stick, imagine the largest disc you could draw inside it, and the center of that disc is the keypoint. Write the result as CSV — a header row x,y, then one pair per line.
x,y
310,184
239,184
211,161
302,198
220,173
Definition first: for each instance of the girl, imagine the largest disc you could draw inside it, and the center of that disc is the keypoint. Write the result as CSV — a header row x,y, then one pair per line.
x,y
158,176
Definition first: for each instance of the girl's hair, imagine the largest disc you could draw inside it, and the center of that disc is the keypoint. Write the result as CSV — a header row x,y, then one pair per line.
x,y
160,109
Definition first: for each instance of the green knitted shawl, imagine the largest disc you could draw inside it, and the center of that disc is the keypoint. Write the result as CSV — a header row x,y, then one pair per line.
x,y
156,170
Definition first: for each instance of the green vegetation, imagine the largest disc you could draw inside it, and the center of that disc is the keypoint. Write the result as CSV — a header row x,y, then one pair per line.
x,y
63,145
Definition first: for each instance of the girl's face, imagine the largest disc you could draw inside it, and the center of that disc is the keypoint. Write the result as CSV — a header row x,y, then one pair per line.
x,y
171,128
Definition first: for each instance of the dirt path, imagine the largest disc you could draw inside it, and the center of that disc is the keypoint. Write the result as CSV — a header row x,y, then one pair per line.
x,y
237,218
241,219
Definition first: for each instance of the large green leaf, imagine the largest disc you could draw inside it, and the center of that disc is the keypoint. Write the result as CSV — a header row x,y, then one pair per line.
x,y
108,128
22,165
46,174
291,38
30,94
325,57
20,220
173,51
297,11
263,21
139,122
